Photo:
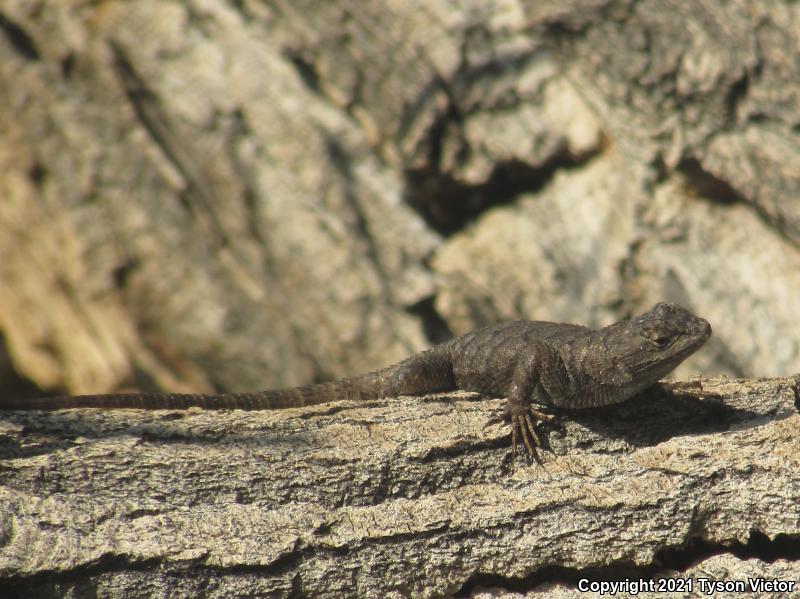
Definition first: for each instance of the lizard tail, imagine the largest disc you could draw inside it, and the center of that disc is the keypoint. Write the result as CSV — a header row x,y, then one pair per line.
x,y
425,372
369,386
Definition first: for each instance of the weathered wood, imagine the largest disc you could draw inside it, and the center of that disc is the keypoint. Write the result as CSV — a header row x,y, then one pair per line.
x,y
406,497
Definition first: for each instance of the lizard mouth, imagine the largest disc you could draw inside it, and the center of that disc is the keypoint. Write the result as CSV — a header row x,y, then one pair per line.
x,y
701,333
704,330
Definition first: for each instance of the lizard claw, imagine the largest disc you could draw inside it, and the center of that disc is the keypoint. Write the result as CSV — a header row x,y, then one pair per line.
x,y
524,426
495,420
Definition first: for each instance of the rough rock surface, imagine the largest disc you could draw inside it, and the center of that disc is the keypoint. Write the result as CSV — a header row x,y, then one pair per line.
x,y
396,498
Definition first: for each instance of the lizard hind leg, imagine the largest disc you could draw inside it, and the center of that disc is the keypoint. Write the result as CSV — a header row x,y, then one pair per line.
x,y
429,371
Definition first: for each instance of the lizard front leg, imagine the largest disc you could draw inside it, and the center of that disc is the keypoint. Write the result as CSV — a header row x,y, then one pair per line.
x,y
526,384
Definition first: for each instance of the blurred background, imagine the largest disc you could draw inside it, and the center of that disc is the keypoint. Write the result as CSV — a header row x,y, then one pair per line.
x,y
206,195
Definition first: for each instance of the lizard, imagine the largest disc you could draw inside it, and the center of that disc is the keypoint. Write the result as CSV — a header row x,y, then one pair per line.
x,y
529,362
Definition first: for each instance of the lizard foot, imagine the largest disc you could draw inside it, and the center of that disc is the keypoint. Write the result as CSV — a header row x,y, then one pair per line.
x,y
523,425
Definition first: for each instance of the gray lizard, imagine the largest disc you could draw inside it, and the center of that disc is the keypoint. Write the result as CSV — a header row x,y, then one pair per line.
x,y
551,364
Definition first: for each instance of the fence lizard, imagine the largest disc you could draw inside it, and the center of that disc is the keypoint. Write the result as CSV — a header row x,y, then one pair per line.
x,y
552,364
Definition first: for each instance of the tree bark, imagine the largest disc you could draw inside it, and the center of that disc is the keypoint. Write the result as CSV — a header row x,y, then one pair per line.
x,y
397,498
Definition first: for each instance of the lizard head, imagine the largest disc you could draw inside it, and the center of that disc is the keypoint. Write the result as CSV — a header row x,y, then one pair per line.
x,y
649,346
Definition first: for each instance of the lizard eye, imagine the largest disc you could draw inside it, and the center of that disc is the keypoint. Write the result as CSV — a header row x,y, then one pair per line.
x,y
659,339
